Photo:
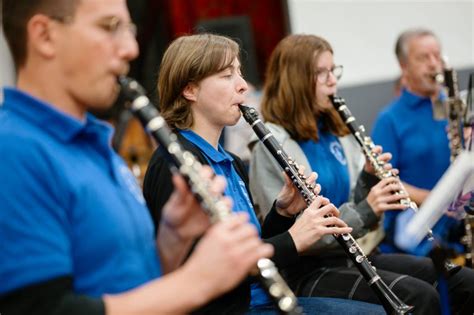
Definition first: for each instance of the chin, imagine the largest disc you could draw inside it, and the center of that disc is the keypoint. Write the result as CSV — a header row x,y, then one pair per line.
x,y
234,121
104,103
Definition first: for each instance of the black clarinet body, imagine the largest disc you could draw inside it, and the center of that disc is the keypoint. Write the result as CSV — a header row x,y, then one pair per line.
x,y
367,146
391,303
455,112
186,164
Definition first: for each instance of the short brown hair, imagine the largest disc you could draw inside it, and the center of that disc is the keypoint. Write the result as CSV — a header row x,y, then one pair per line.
x,y
289,97
17,13
189,59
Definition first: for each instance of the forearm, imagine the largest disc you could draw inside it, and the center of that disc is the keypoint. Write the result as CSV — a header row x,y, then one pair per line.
x,y
285,252
418,195
172,249
364,183
179,292
275,223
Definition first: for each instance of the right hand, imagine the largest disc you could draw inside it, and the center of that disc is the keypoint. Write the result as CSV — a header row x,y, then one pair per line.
x,y
382,196
318,220
227,252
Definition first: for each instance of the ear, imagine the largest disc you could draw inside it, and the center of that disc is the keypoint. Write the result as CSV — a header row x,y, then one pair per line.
x,y
403,63
190,92
40,36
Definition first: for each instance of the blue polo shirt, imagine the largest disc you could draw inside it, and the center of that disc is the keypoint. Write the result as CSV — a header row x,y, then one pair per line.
x,y
68,203
221,163
418,143
327,158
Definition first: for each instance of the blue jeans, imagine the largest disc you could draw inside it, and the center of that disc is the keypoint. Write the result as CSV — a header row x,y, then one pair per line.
x,y
327,306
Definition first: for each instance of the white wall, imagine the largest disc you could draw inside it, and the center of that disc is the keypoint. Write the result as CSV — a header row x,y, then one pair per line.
x,y
363,33
6,65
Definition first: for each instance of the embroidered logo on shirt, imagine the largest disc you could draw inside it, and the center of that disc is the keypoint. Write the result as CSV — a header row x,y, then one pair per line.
x,y
131,183
243,190
336,150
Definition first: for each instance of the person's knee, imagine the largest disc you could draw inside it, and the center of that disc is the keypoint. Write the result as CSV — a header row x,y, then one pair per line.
x,y
419,294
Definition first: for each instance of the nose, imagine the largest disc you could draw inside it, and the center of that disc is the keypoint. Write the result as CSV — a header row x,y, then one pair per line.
x,y
331,80
242,85
434,61
128,49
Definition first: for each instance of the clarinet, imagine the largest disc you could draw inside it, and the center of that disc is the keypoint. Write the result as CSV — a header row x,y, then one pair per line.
x,y
455,112
391,303
367,146
455,115
185,163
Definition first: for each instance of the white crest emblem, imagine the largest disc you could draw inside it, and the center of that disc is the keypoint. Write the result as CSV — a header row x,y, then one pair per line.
x,y
336,150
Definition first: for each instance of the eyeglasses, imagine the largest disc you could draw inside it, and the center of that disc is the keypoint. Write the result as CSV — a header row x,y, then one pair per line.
x,y
323,73
117,27
114,26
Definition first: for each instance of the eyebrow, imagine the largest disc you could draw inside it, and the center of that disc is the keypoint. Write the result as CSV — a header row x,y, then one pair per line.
x,y
113,17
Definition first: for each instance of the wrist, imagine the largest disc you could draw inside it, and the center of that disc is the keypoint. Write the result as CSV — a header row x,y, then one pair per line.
x,y
172,247
294,236
283,212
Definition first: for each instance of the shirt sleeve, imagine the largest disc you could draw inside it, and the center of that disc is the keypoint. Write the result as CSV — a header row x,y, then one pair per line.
x,y
54,296
35,222
157,185
266,179
275,232
384,134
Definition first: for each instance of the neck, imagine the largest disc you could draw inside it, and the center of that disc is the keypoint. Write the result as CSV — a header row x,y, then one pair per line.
x,y
49,90
208,132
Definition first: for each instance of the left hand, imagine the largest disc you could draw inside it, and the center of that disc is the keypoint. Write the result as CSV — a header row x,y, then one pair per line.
x,y
289,201
182,214
382,157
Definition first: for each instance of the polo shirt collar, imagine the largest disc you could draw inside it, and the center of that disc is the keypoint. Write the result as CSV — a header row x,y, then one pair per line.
x,y
414,100
60,125
214,155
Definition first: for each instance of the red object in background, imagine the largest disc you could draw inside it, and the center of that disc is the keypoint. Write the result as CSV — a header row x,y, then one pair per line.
x,y
268,19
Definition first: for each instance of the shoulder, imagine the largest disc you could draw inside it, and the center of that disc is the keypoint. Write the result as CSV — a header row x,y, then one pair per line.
x,y
392,109
29,148
388,114
280,134
160,155
349,142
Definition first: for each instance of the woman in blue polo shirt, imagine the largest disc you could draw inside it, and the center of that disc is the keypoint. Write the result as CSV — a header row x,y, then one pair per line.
x,y
200,87
301,75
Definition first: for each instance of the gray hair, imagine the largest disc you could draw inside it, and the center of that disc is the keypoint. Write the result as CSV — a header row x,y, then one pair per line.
x,y
401,47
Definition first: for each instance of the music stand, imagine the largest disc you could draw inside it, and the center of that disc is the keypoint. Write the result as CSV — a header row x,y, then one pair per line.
x,y
459,178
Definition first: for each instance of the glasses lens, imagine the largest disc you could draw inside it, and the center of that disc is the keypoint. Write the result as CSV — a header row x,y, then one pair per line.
x,y
337,71
323,75
132,29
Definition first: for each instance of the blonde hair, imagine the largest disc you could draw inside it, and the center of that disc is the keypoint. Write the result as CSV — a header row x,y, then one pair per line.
x,y
190,59
289,96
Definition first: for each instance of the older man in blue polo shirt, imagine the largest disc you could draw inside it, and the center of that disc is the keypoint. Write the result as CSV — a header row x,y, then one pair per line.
x,y
407,127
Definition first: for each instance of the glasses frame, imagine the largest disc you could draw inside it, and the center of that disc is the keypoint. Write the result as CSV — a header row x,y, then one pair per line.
x,y
114,26
322,74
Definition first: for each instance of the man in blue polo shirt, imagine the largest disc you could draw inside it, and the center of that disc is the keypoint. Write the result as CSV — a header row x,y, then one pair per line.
x,y
76,235
407,127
